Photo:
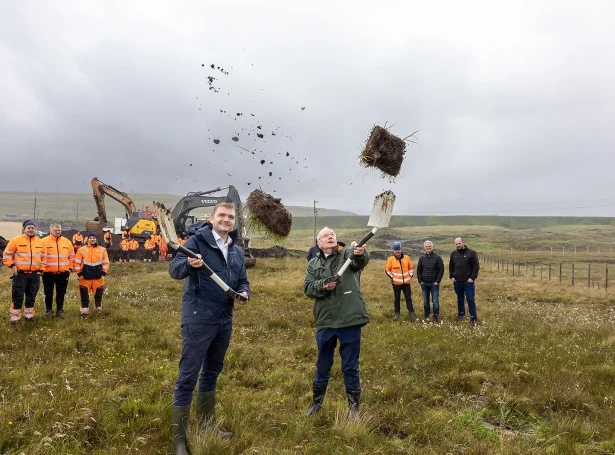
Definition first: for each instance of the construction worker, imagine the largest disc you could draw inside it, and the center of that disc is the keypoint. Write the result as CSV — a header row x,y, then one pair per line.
x,y
124,250
149,249
91,265
162,247
107,240
156,239
134,246
77,241
58,265
400,270
25,256
126,234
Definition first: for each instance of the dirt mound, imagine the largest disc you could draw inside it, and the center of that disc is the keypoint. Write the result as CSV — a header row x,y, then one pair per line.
x,y
268,212
384,151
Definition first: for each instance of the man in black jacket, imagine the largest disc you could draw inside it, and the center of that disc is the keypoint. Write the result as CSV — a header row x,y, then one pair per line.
x,y
463,271
430,271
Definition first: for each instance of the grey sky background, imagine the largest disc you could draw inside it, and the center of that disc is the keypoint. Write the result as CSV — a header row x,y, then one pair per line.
x,y
513,99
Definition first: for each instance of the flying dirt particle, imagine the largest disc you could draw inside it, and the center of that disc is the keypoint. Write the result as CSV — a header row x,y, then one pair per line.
x,y
303,108
249,183
270,162
235,138
203,64
287,154
228,174
253,153
279,178
190,164
270,174
272,133
216,141
212,66
259,127
260,135
262,161
252,115
259,178
239,113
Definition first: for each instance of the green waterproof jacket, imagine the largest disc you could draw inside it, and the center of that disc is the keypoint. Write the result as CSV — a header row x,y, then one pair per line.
x,y
344,306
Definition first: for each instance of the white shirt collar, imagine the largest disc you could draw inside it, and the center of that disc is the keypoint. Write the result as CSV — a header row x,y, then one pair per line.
x,y
218,239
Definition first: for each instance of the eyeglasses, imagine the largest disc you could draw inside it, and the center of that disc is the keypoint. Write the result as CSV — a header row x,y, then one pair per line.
x,y
324,236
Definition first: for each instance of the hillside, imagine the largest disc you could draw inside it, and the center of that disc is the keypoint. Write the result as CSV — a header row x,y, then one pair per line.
x,y
81,206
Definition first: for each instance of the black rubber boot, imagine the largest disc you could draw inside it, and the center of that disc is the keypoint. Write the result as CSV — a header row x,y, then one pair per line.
x,y
181,416
354,397
205,413
318,394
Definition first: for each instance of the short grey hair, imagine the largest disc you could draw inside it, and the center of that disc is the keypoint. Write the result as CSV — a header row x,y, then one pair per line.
x,y
426,242
55,226
323,229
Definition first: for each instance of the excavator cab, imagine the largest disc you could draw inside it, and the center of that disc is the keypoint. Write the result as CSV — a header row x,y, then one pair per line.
x,y
182,218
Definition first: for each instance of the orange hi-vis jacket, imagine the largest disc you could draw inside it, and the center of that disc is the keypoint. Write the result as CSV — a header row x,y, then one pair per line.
x,y
26,253
181,241
399,270
89,258
125,235
78,239
162,244
133,244
149,244
107,237
156,238
60,254
125,245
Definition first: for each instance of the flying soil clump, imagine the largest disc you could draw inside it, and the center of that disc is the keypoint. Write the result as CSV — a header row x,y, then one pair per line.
x,y
384,151
269,213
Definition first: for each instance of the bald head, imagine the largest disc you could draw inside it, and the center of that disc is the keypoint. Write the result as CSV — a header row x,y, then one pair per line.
x,y
458,243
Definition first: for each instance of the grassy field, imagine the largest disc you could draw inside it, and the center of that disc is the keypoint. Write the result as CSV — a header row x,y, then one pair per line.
x,y
536,376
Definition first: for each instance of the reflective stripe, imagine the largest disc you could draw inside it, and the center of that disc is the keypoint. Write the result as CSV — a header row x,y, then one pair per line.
x,y
28,262
8,253
78,261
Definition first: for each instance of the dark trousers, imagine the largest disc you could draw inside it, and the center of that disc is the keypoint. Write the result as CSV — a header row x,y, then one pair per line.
x,y
25,285
463,288
433,290
397,289
60,282
350,348
203,349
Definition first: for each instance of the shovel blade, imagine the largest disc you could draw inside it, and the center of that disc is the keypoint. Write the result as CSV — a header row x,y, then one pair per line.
x,y
382,210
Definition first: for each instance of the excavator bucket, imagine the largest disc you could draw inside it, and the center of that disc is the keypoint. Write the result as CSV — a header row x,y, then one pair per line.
x,y
165,221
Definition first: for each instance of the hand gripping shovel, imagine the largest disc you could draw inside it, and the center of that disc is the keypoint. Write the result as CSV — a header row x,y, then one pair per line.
x,y
379,218
167,229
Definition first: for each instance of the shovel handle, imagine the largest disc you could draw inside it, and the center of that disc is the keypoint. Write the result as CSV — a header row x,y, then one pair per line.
x,y
337,278
210,273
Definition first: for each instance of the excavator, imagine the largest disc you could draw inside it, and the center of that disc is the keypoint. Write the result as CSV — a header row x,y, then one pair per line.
x,y
182,218
140,223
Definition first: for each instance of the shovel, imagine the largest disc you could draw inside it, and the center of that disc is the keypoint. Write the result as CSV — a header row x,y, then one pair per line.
x,y
379,218
167,229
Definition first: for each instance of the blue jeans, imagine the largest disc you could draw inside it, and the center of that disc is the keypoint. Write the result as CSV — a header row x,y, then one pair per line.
x,y
203,349
434,290
350,347
465,288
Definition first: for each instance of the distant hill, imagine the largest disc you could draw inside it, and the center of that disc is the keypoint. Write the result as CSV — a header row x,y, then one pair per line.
x,y
81,206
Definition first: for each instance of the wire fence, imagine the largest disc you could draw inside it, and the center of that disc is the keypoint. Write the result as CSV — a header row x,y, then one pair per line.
x,y
586,274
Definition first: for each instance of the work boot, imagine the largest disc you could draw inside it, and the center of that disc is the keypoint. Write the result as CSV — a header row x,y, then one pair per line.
x,y
396,316
460,317
354,397
412,315
30,319
473,322
318,395
436,319
60,314
181,415
14,324
205,413
49,314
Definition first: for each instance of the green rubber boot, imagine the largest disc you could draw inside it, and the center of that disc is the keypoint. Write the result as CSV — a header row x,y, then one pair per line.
x,y
181,416
205,413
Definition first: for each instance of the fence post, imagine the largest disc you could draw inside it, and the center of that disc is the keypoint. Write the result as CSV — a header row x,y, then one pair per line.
x,y
606,278
549,271
513,264
560,272
573,273
526,268
506,267
589,274
533,270
541,271
563,249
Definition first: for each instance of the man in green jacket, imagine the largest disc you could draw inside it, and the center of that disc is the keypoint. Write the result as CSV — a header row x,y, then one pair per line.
x,y
340,312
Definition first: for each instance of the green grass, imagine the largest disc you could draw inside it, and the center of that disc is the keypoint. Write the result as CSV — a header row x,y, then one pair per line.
x,y
536,376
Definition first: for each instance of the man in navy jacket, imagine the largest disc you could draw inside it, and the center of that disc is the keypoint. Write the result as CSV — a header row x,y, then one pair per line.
x,y
207,318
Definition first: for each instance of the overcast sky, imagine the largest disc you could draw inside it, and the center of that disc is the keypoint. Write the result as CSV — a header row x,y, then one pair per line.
x,y
513,99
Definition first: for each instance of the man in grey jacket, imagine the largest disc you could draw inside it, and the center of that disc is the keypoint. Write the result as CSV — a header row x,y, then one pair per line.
x,y
430,271
207,319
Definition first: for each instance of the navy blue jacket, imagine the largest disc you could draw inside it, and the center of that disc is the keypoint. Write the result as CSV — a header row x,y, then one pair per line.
x,y
204,302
